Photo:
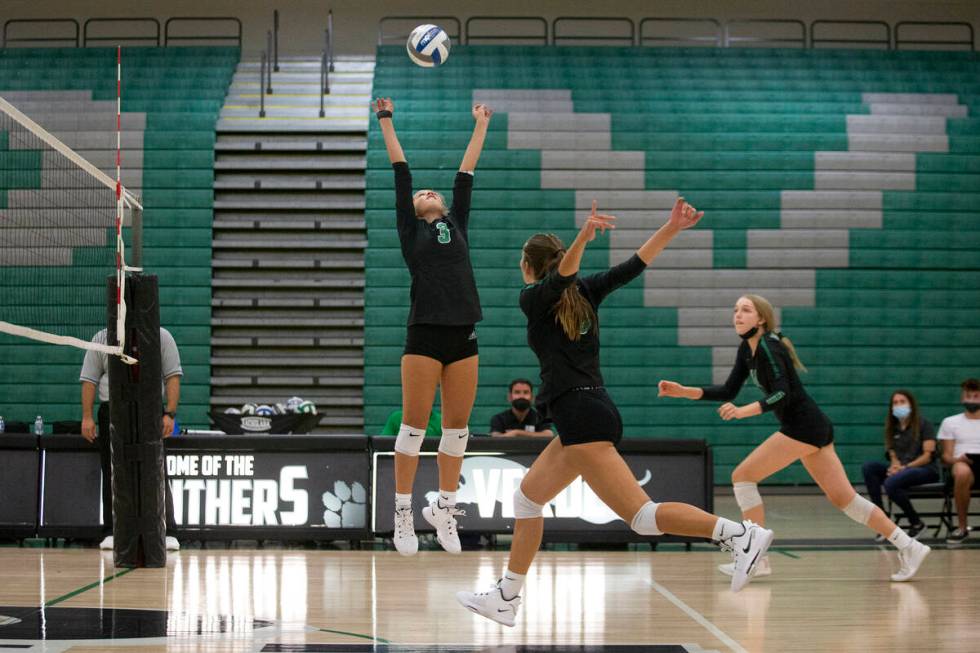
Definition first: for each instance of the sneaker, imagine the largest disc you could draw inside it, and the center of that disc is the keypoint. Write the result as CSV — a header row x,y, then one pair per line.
x,y
957,537
909,560
406,543
761,569
106,544
444,521
491,604
748,548
916,531
172,543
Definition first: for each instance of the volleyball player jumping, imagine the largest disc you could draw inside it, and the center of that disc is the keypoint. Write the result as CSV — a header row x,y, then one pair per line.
x,y
441,347
805,432
563,331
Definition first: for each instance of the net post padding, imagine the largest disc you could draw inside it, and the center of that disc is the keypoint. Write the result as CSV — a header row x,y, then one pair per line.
x,y
136,410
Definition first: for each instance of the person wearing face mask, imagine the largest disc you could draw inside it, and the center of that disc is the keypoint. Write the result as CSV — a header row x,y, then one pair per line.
x,y
960,435
520,420
805,432
910,444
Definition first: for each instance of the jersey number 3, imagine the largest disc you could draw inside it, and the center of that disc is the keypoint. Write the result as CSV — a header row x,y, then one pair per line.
x,y
444,236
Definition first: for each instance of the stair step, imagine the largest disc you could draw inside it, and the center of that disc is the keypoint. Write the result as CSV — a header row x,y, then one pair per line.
x,y
321,381
287,341
285,361
291,245
265,125
343,183
323,284
289,163
269,204
332,225
288,112
288,303
285,323
254,146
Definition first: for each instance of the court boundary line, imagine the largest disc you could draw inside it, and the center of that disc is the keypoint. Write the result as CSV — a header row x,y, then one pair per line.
x,y
82,590
697,616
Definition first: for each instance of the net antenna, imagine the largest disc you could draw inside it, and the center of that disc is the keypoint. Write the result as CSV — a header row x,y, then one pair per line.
x,y
55,209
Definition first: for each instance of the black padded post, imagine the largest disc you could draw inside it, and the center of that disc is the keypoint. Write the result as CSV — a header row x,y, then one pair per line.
x,y
136,410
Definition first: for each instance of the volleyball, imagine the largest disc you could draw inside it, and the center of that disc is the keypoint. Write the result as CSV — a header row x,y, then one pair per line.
x,y
265,411
249,409
428,46
307,407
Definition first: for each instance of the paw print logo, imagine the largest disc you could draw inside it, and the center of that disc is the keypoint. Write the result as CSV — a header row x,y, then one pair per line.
x,y
346,506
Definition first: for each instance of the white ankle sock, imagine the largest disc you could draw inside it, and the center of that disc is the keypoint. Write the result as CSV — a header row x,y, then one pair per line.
x,y
900,538
446,498
403,501
511,584
725,529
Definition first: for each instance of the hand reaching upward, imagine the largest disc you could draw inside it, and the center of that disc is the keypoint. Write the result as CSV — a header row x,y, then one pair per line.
x,y
683,215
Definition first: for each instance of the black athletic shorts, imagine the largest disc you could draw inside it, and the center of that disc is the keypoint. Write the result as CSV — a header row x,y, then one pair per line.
x,y
584,415
446,344
809,426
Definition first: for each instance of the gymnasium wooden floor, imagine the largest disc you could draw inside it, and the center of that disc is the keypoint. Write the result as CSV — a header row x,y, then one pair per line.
x,y
279,600
820,598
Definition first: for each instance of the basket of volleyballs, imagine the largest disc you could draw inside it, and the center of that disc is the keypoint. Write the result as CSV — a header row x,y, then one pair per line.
x,y
428,46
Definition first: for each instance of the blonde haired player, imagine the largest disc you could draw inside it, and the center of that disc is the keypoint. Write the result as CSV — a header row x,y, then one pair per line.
x,y
805,433
440,347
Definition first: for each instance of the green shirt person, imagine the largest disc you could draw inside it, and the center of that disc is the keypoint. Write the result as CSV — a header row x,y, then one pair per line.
x,y
434,428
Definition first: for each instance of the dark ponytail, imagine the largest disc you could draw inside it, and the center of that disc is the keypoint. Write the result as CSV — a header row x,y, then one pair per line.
x,y
543,253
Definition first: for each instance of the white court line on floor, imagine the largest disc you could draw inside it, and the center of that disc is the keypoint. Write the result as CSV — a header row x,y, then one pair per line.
x,y
697,616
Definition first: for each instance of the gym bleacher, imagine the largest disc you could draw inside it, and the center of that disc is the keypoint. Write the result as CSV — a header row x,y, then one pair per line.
x,y
841,184
171,100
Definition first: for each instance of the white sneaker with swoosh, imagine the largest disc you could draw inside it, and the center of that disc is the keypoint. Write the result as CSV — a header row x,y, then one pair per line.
x,y
406,542
443,519
762,568
748,547
491,604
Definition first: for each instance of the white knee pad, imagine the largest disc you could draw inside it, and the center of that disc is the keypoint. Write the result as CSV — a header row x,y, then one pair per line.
x,y
859,509
409,440
645,520
747,495
524,508
454,441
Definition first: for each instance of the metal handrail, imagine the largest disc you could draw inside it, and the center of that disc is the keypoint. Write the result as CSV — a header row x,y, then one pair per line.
x,y
327,62
729,39
508,37
268,42
924,23
262,87
275,39
167,37
330,38
555,37
717,39
887,42
324,80
436,20
115,39
7,40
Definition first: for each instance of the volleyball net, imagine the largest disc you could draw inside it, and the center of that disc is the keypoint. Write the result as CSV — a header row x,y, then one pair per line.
x,y
61,235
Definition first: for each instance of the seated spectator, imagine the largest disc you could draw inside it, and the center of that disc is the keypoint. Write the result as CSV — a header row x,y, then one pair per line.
x,y
960,435
520,420
434,428
910,446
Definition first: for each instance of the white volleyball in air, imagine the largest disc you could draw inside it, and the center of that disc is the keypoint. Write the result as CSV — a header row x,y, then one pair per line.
x,y
428,46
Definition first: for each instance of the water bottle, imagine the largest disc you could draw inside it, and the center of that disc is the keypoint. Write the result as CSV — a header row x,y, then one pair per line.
x,y
3,427
38,426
